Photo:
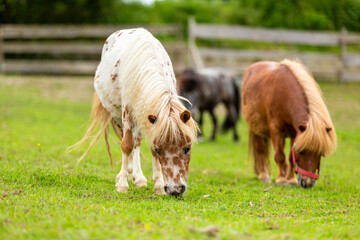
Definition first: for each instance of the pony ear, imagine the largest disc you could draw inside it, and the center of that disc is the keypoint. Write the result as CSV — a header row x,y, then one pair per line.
x,y
152,118
328,129
302,127
185,116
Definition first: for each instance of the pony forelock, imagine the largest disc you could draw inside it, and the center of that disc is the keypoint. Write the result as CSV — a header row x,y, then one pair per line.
x,y
168,127
317,137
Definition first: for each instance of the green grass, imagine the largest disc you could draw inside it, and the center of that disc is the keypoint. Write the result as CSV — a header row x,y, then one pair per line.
x,y
45,196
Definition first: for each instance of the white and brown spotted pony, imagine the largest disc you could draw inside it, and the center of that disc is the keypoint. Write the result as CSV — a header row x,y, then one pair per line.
x,y
136,92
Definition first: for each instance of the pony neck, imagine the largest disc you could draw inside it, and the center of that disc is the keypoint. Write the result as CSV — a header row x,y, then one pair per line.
x,y
298,106
299,116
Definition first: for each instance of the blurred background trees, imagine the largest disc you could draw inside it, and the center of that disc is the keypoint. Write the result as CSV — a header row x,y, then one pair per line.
x,y
295,14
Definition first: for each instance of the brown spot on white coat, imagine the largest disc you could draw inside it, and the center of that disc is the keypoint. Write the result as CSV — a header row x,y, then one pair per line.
x,y
127,143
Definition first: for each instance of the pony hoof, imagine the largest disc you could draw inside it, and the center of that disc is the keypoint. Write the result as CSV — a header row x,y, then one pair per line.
x,y
160,191
292,182
281,181
121,189
265,180
141,184
117,178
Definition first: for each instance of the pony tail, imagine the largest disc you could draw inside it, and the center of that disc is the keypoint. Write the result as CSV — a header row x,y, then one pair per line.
x,y
254,155
100,116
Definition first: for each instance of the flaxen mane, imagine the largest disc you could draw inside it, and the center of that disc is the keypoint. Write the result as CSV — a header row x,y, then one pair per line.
x,y
320,135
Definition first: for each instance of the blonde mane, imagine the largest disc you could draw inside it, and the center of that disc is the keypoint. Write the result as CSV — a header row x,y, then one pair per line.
x,y
149,85
320,134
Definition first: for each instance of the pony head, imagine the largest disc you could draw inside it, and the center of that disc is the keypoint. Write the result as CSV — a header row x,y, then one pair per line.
x,y
188,84
316,140
172,134
310,162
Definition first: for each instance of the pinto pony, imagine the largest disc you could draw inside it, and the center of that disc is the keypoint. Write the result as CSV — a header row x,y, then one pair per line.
x,y
136,93
282,100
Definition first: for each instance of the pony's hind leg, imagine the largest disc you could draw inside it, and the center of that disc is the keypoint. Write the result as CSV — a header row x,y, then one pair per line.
x,y
234,118
259,146
200,135
137,174
231,119
214,120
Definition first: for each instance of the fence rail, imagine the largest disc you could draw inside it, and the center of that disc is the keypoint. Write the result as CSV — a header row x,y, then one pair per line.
x,y
15,31
76,49
70,49
344,66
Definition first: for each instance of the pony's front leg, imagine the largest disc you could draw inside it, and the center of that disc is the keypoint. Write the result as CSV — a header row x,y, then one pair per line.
x,y
137,174
280,159
290,176
127,145
158,177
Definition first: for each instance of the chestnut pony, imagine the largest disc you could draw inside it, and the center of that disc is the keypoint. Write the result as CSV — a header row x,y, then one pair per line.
x,y
281,100
136,93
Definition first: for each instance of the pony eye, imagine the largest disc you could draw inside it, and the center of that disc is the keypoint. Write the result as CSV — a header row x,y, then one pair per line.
x,y
301,153
157,151
187,149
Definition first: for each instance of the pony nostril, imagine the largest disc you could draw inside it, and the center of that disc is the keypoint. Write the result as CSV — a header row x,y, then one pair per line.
x,y
181,189
303,183
166,189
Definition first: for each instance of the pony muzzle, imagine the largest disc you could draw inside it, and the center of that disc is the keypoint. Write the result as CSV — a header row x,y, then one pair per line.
x,y
305,181
175,190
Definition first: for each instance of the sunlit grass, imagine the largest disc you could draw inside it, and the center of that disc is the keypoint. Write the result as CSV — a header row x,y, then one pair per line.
x,y
44,195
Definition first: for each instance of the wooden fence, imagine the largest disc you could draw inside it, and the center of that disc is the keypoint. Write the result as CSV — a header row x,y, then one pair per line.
x,y
343,65
76,49
69,49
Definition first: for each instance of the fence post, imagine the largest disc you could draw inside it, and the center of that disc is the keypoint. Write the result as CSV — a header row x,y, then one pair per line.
x,y
343,53
2,64
194,51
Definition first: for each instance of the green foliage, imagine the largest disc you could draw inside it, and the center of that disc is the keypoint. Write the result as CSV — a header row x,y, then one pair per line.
x,y
64,11
296,14
43,195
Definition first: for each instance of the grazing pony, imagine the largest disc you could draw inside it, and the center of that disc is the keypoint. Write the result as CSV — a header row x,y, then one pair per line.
x,y
282,100
207,88
136,92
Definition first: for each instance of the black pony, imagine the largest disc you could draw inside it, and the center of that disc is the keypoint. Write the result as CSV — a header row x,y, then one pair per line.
x,y
205,89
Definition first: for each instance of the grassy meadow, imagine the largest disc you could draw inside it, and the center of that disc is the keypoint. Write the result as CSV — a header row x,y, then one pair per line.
x,y
44,195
